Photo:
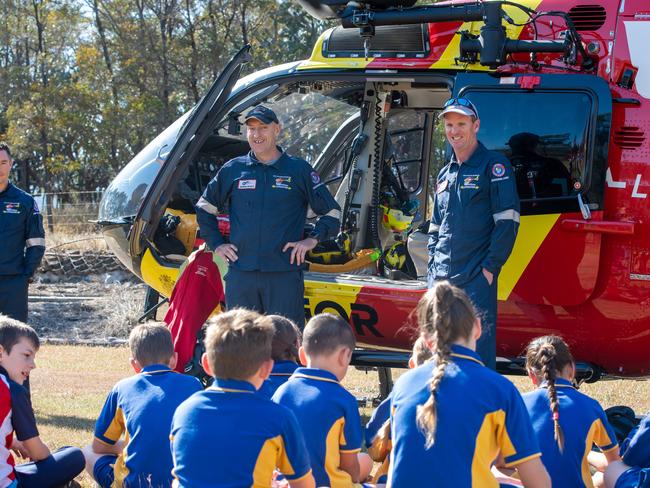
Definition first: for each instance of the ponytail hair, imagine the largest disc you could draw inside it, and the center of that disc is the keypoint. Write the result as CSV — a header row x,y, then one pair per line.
x,y
546,357
445,315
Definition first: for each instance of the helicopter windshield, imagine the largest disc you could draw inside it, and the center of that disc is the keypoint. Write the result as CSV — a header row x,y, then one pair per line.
x,y
123,196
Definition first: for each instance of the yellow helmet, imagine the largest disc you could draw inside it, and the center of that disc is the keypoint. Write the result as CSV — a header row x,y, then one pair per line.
x,y
395,220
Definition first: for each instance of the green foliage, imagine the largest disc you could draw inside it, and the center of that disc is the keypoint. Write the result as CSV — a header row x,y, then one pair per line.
x,y
87,83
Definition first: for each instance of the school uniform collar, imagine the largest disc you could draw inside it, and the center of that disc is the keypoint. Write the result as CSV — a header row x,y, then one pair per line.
x,y
465,353
475,159
559,383
253,160
284,368
315,374
4,373
232,386
156,368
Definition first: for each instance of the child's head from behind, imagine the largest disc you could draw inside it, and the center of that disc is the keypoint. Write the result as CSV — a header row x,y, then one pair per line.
x,y
328,343
548,357
238,344
151,343
420,353
18,346
446,316
286,339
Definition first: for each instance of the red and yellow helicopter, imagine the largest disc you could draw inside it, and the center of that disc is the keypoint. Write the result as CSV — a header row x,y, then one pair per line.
x,y
563,89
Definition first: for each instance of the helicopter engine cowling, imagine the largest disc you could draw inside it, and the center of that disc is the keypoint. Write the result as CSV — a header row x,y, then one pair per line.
x,y
332,9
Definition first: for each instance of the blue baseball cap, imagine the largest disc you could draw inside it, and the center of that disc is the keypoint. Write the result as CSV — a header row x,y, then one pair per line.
x,y
263,114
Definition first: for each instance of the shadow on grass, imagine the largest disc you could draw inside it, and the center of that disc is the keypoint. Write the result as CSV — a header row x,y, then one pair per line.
x,y
66,422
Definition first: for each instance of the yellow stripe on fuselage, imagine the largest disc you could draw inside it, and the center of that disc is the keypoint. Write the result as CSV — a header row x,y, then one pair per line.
x,y
533,229
318,61
448,58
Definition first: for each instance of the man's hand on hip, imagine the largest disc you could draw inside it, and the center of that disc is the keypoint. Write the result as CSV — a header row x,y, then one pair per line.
x,y
488,276
227,252
300,249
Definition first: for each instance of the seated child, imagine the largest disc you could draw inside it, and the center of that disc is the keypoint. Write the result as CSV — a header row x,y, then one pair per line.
x,y
452,416
18,347
634,470
227,435
378,428
284,352
567,423
327,412
140,408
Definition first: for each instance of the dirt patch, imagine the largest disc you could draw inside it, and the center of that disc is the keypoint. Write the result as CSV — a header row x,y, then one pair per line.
x,y
93,307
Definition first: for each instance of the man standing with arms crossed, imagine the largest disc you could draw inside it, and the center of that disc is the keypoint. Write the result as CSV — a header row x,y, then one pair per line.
x,y
267,194
475,218
23,241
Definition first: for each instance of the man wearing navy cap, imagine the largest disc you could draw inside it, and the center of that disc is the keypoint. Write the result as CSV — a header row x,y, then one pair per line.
x,y
23,241
475,218
268,194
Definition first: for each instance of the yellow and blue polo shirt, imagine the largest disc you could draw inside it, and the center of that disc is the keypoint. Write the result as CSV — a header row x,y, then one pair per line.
x,y
141,407
480,414
228,435
329,417
584,424
282,371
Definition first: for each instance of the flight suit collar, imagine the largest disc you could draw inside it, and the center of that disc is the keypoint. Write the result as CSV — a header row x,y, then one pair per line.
x,y
253,160
475,159
7,190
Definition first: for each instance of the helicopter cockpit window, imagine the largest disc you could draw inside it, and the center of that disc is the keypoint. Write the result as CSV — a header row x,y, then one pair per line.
x,y
405,133
545,136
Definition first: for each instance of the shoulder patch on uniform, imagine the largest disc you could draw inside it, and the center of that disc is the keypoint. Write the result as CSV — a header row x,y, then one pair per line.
x,y
498,170
315,178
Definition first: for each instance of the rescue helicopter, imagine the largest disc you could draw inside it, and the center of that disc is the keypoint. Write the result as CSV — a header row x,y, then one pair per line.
x,y
562,88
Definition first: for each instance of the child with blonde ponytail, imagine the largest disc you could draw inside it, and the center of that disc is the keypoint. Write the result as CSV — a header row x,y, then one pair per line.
x,y
567,422
452,417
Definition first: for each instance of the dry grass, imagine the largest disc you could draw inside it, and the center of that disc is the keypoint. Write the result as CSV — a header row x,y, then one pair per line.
x,y
71,240
71,382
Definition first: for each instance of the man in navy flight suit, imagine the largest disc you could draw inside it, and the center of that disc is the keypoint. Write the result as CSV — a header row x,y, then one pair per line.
x,y
23,241
267,194
475,218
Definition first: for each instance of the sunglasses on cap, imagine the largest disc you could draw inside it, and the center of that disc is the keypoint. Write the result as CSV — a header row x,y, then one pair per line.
x,y
464,102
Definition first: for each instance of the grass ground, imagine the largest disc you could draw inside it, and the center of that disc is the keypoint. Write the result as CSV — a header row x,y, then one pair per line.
x,y
71,382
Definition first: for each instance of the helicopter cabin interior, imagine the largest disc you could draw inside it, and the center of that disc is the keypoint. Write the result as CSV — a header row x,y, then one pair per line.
x,y
548,134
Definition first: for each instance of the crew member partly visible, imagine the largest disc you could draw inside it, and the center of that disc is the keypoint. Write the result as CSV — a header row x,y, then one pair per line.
x,y
475,218
267,194
23,241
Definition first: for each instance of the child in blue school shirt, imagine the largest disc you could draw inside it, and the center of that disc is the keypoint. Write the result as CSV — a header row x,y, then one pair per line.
x,y
326,411
634,470
567,423
131,444
228,435
378,427
452,416
284,352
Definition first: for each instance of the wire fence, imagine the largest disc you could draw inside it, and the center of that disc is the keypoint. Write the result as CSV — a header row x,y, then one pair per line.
x,y
69,213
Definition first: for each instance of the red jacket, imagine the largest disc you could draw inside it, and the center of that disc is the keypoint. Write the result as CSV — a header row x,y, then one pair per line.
x,y
197,292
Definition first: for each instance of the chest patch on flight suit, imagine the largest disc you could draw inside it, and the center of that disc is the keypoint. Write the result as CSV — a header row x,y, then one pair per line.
x,y
246,184
282,182
470,182
11,208
442,186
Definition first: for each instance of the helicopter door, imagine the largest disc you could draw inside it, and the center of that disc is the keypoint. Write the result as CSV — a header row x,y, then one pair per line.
x,y
555,130
191,136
